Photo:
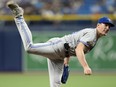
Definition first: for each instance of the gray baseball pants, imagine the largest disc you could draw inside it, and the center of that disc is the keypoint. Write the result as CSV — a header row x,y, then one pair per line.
x,y
51,49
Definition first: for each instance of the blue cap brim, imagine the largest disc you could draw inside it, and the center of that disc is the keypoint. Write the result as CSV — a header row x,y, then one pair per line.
x,y
111,24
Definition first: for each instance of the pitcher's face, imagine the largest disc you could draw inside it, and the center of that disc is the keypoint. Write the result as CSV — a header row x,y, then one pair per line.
x,y
103,28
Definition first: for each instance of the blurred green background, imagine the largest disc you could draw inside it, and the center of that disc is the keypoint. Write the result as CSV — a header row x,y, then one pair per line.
x,y
101,58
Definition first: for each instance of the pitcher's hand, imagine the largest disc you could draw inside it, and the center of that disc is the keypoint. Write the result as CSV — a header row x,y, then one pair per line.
x,y
87,71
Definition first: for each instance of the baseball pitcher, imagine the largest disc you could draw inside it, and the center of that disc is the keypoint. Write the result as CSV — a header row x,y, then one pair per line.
x,y
56,49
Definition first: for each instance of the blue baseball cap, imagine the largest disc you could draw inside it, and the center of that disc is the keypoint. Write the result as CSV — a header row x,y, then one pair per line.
x,y
106,20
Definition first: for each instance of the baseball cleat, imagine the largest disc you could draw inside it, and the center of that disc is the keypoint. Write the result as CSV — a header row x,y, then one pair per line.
x,y
16,10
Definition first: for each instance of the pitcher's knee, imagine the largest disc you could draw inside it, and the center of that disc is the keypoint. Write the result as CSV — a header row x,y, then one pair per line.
x,y
29,49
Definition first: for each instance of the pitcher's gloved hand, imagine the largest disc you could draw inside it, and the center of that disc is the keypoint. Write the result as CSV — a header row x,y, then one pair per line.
x,y
65,74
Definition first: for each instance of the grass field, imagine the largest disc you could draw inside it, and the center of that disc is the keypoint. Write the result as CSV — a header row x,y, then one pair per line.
x,y
42,80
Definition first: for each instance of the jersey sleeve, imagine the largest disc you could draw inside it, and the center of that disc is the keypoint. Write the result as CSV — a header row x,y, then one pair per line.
x,y
87,39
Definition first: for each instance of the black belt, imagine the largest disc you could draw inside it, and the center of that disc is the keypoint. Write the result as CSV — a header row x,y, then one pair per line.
x,y
67,49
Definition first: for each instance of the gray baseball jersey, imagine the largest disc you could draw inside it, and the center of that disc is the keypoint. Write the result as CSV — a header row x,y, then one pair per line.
x,y
86,36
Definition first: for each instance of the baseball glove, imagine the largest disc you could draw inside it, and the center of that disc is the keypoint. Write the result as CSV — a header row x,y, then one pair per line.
x,y
65,74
